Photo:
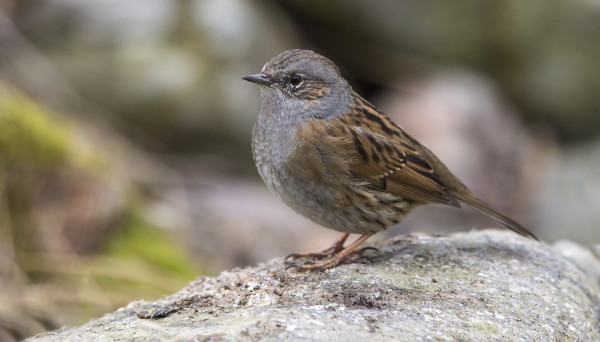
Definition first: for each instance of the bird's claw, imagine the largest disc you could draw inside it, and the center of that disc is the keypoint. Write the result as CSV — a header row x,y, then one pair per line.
x,y
368,248
296,266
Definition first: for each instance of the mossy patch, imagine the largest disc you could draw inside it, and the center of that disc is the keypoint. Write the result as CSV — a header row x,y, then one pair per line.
x,y
32,137
139,240
60,191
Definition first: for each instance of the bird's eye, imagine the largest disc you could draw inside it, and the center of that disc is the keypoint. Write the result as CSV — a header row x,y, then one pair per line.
x,y
295,80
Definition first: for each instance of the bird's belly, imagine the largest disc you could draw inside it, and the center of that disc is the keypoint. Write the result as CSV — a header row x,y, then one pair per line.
x,y
347,208
326,194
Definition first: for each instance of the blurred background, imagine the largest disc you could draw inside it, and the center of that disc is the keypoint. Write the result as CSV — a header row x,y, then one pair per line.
x,y
125,160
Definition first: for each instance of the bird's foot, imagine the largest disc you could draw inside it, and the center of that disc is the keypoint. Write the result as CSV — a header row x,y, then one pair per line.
x,y
348,254
337,247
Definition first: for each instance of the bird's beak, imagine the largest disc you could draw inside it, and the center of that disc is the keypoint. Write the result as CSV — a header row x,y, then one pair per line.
x,y
261,79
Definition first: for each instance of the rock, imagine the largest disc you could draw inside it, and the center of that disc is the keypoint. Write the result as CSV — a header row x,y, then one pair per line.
x,y
586,259
567,203
476,286
176,66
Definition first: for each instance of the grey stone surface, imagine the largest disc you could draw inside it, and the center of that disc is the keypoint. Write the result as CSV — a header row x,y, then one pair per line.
x,y
476,286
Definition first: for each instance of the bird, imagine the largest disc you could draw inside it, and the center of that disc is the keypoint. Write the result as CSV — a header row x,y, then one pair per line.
x,y
333,157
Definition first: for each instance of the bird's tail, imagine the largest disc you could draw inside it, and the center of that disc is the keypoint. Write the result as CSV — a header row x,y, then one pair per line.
x,y
506,221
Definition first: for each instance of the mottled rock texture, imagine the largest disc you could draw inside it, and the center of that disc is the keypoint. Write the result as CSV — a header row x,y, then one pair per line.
x,y
476,286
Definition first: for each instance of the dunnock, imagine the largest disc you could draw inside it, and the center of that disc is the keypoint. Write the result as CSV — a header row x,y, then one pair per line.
x,y
333,157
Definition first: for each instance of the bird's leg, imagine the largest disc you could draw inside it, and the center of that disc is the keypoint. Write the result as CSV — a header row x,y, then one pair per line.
x,y
337,257
337,246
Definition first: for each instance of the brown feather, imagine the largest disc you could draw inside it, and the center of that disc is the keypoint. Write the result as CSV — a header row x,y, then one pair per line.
x,y
390,157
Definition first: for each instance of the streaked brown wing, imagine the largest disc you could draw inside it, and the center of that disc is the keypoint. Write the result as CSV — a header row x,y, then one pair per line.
x,y
395,166
374,149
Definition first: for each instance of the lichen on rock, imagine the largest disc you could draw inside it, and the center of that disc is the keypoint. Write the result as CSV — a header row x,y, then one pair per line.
x,y
476,286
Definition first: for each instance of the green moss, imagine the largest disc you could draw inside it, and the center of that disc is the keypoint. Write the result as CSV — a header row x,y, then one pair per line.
x,y
32,137
27,135
43,157
136,239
